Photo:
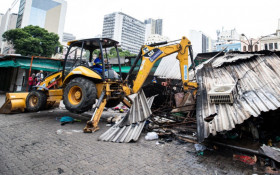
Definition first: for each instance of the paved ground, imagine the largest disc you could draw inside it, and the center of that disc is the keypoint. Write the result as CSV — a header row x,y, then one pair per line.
x,y
30,143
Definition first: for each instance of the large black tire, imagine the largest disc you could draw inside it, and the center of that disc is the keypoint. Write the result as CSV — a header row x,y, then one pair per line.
x,y
112,103
36,101
79,95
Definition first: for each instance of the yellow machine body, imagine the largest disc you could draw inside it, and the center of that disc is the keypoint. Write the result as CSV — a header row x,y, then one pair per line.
x,y
81,71
14,102
150,55
107,90
17,101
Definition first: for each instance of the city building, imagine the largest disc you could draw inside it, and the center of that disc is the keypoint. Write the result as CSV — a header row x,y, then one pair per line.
x,y
8,21
152,26
48,14
155,38
125,29
228,47
1,17
227,40
68,37
227,35
201,43
271,42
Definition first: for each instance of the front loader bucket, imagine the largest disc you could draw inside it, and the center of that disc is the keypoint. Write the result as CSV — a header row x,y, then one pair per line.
x,y
14,102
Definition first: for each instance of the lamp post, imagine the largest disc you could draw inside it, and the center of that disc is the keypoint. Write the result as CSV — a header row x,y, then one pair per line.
x,y
250,47
250,43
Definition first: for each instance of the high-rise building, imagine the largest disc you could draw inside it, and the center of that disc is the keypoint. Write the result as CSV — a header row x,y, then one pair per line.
x,y
48,14
1,17
68,37
8,21
130,32
153,27
201,43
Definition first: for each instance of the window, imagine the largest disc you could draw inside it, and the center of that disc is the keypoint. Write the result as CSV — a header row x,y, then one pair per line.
x,y
244,48
275,46
265,47
270,46
256,48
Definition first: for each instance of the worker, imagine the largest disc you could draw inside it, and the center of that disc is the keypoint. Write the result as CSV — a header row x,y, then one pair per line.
x,y
98,64
31,81
154,80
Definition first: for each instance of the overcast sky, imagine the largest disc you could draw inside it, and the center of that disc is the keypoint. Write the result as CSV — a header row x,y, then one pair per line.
x,y
254,18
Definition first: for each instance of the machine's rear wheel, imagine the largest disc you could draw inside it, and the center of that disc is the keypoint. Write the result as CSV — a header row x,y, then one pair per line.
x,y
79,95
36,101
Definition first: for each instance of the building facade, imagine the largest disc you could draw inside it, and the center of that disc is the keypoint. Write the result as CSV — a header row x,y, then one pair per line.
x,y
1,17
48,14
68,37
155,38
271,42
251,44
152,26
201,43
8,22
125,29
227,35
229,47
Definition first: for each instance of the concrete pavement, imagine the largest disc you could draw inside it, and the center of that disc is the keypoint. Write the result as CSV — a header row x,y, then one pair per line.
x,y
36,143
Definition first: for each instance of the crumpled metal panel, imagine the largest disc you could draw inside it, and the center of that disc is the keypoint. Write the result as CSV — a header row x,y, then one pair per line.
x,y
230,58
257,80
130,127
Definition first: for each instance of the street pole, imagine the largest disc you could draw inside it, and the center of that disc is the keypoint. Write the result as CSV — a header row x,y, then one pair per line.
x,y
251,45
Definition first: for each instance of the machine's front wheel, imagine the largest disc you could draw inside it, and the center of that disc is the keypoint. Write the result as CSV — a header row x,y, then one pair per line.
x,y
36,101
79,95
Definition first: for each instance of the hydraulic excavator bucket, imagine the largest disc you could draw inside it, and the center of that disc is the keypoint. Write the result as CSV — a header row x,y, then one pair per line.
x,y
14,102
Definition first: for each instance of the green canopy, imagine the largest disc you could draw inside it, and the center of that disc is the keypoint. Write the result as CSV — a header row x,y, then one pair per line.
x,y
37,64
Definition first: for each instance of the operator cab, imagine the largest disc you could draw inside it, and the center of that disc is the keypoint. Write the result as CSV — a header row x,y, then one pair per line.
x,y
83,52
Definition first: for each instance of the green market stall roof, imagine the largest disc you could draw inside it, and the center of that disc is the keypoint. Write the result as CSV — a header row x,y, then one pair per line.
x,y
38,63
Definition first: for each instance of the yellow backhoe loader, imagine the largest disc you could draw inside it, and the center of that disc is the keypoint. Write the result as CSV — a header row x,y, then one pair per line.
x,y
80,83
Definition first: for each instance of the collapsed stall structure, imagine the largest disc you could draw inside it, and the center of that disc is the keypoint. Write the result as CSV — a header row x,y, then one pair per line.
x,y
252,81
256,80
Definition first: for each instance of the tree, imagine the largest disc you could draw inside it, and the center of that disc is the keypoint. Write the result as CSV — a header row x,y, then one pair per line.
x,y
33,40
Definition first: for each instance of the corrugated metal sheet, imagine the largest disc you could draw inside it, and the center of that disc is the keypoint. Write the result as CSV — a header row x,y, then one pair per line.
x,y
257,79
131,126
169,67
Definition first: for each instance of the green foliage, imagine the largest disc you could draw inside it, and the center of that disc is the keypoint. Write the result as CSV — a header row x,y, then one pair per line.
x,y
113,53
32,40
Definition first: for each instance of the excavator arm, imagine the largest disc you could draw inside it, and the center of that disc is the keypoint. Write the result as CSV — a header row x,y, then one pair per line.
x,y
151,54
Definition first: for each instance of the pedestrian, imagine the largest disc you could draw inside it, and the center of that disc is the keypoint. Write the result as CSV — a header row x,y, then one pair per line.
x,y
40,76
31,80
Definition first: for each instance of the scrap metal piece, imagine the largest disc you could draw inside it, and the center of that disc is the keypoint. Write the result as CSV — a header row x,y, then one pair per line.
x,y
130,127
272,152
